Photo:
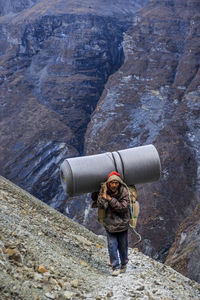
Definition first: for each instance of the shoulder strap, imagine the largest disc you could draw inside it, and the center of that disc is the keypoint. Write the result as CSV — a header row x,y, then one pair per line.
x,y
133,199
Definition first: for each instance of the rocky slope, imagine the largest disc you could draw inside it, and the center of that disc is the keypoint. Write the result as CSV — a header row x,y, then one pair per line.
x,y
45,255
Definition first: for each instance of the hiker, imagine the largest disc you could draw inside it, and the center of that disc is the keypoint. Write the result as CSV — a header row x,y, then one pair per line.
x,y
113,198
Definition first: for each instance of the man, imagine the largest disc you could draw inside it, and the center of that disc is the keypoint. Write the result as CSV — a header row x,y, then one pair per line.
x,y
114,199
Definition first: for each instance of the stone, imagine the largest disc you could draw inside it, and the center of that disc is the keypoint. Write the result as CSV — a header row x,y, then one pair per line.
x,y
35,297
172,277
140,288
41,269
66,295
61,283
53,281
74,283
14,254
82,240
50,295
84,263
109,294
66,285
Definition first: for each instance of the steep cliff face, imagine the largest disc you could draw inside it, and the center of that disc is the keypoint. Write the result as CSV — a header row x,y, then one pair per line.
x,y
55,59
154,98
70,59
184,253
13,6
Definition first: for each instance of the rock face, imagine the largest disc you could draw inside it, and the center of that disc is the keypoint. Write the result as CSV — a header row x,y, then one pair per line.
x,y
184,253
13,6
55,59
45,255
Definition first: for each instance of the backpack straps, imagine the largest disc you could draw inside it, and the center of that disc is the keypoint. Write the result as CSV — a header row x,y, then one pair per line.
x,y
134,210
134,206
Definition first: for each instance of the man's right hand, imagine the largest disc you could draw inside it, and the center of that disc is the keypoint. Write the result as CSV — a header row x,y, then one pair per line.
x,y
104,190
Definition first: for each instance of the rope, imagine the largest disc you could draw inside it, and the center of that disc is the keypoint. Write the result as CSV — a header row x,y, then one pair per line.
x,y
139,237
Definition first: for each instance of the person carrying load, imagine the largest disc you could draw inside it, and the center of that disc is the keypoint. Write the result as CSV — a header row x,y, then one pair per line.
x,y
113,202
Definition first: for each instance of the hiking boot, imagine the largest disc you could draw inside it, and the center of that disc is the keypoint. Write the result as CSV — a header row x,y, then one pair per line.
x,y
123,269
116,272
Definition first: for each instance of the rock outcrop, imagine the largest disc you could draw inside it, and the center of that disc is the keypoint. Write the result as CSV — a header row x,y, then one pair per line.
x,y
13,6
184,253
44,255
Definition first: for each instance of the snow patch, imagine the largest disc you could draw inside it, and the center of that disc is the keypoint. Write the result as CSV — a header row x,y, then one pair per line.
x,y
183,237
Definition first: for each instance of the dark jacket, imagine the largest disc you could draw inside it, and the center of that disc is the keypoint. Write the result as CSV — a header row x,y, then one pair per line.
x,y
117,214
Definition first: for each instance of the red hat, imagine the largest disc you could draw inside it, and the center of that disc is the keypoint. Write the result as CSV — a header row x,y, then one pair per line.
x,y
113,173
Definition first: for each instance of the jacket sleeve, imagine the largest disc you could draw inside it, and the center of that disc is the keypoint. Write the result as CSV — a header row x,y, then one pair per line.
x,y
94,197
121,205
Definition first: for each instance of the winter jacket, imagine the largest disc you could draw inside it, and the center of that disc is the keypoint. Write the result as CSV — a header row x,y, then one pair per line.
x,y
117,214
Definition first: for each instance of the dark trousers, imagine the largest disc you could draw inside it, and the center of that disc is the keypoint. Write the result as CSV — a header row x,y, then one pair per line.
x,y
118,243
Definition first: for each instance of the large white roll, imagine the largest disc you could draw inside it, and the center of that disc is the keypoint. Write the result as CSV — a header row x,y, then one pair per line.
x,y
80,175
